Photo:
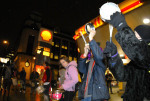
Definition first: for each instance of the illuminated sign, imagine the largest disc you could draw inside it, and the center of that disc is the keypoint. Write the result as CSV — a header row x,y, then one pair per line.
x,y
46,35
39,68
45,53
125,7
4,60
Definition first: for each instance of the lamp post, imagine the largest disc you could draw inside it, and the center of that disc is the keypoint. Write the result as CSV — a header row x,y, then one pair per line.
x,y
33,59
4,47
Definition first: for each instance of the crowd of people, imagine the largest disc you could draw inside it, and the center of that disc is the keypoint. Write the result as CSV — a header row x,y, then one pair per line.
x,y
95,84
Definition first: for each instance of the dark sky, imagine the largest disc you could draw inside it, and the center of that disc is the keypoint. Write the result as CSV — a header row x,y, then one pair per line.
x,y
68,15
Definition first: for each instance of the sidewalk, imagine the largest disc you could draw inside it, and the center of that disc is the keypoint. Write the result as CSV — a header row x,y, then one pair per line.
x,y
17,96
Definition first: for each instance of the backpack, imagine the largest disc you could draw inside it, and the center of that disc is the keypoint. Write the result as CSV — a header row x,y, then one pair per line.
x,y
78,83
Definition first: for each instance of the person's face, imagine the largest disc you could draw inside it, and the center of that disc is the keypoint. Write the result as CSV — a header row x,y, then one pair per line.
x,y
64,63
137,36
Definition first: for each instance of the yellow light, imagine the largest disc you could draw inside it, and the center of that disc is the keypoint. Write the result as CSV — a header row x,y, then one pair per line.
x,y
47,49
66,47
75,59
52,43
46,35
46,53
70,58
146,21
56,57
51,56
5,42
39,47
34,58
38,51
63,47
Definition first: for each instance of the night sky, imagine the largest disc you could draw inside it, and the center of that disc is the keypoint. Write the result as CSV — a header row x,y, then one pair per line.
x,y
68,15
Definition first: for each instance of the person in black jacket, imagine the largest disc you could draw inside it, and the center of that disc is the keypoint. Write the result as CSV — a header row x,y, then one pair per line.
x,y
7,80
34,78
136,46
23,80
93,87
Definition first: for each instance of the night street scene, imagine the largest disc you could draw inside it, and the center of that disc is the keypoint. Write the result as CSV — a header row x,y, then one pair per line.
x,y
75,50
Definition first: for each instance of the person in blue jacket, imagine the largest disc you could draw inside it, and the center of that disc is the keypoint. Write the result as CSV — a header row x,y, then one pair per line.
x,y
93,87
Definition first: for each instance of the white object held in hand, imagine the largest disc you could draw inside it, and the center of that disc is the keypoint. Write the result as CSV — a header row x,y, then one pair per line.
x,y
110,31
107,10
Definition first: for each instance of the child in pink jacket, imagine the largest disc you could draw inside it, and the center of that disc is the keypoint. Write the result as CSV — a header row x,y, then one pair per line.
x,y
71,78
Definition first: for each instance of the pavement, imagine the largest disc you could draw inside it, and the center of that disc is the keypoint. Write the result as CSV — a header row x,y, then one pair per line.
x,y
27,96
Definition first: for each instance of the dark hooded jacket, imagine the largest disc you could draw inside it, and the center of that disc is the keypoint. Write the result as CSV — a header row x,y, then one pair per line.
x,y
97,87
136,72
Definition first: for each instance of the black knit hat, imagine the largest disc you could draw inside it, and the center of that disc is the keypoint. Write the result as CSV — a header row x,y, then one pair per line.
x,y
144,32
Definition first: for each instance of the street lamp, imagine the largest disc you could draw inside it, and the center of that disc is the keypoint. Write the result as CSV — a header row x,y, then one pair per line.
x,y
146,21
5,42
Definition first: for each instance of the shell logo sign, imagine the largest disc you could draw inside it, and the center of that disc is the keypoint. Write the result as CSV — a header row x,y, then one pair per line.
x,y
46,35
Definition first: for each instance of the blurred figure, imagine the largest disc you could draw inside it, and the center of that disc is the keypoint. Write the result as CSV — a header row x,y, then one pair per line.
x,y
46,80
34,78
109,78
41,76
14,79
61,75
71,78
23,80
7,79
2,74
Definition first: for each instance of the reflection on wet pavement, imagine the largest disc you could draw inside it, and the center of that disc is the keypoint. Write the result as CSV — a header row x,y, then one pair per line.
x,y
27,96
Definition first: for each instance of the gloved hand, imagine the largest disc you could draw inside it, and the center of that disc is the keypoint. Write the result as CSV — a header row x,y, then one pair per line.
x,y
117,20
110,49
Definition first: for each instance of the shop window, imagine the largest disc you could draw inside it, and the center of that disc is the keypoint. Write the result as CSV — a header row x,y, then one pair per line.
x,y
51,56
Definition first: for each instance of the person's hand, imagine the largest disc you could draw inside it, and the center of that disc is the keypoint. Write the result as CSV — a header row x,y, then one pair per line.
x,y
61,87
110,49
117,20
92,34
86,50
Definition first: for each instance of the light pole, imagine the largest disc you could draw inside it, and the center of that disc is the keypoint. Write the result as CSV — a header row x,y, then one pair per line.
x,y
33,60
4,47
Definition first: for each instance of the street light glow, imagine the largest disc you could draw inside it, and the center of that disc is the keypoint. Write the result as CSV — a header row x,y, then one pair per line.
x,y
146,21
34,58
5,42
